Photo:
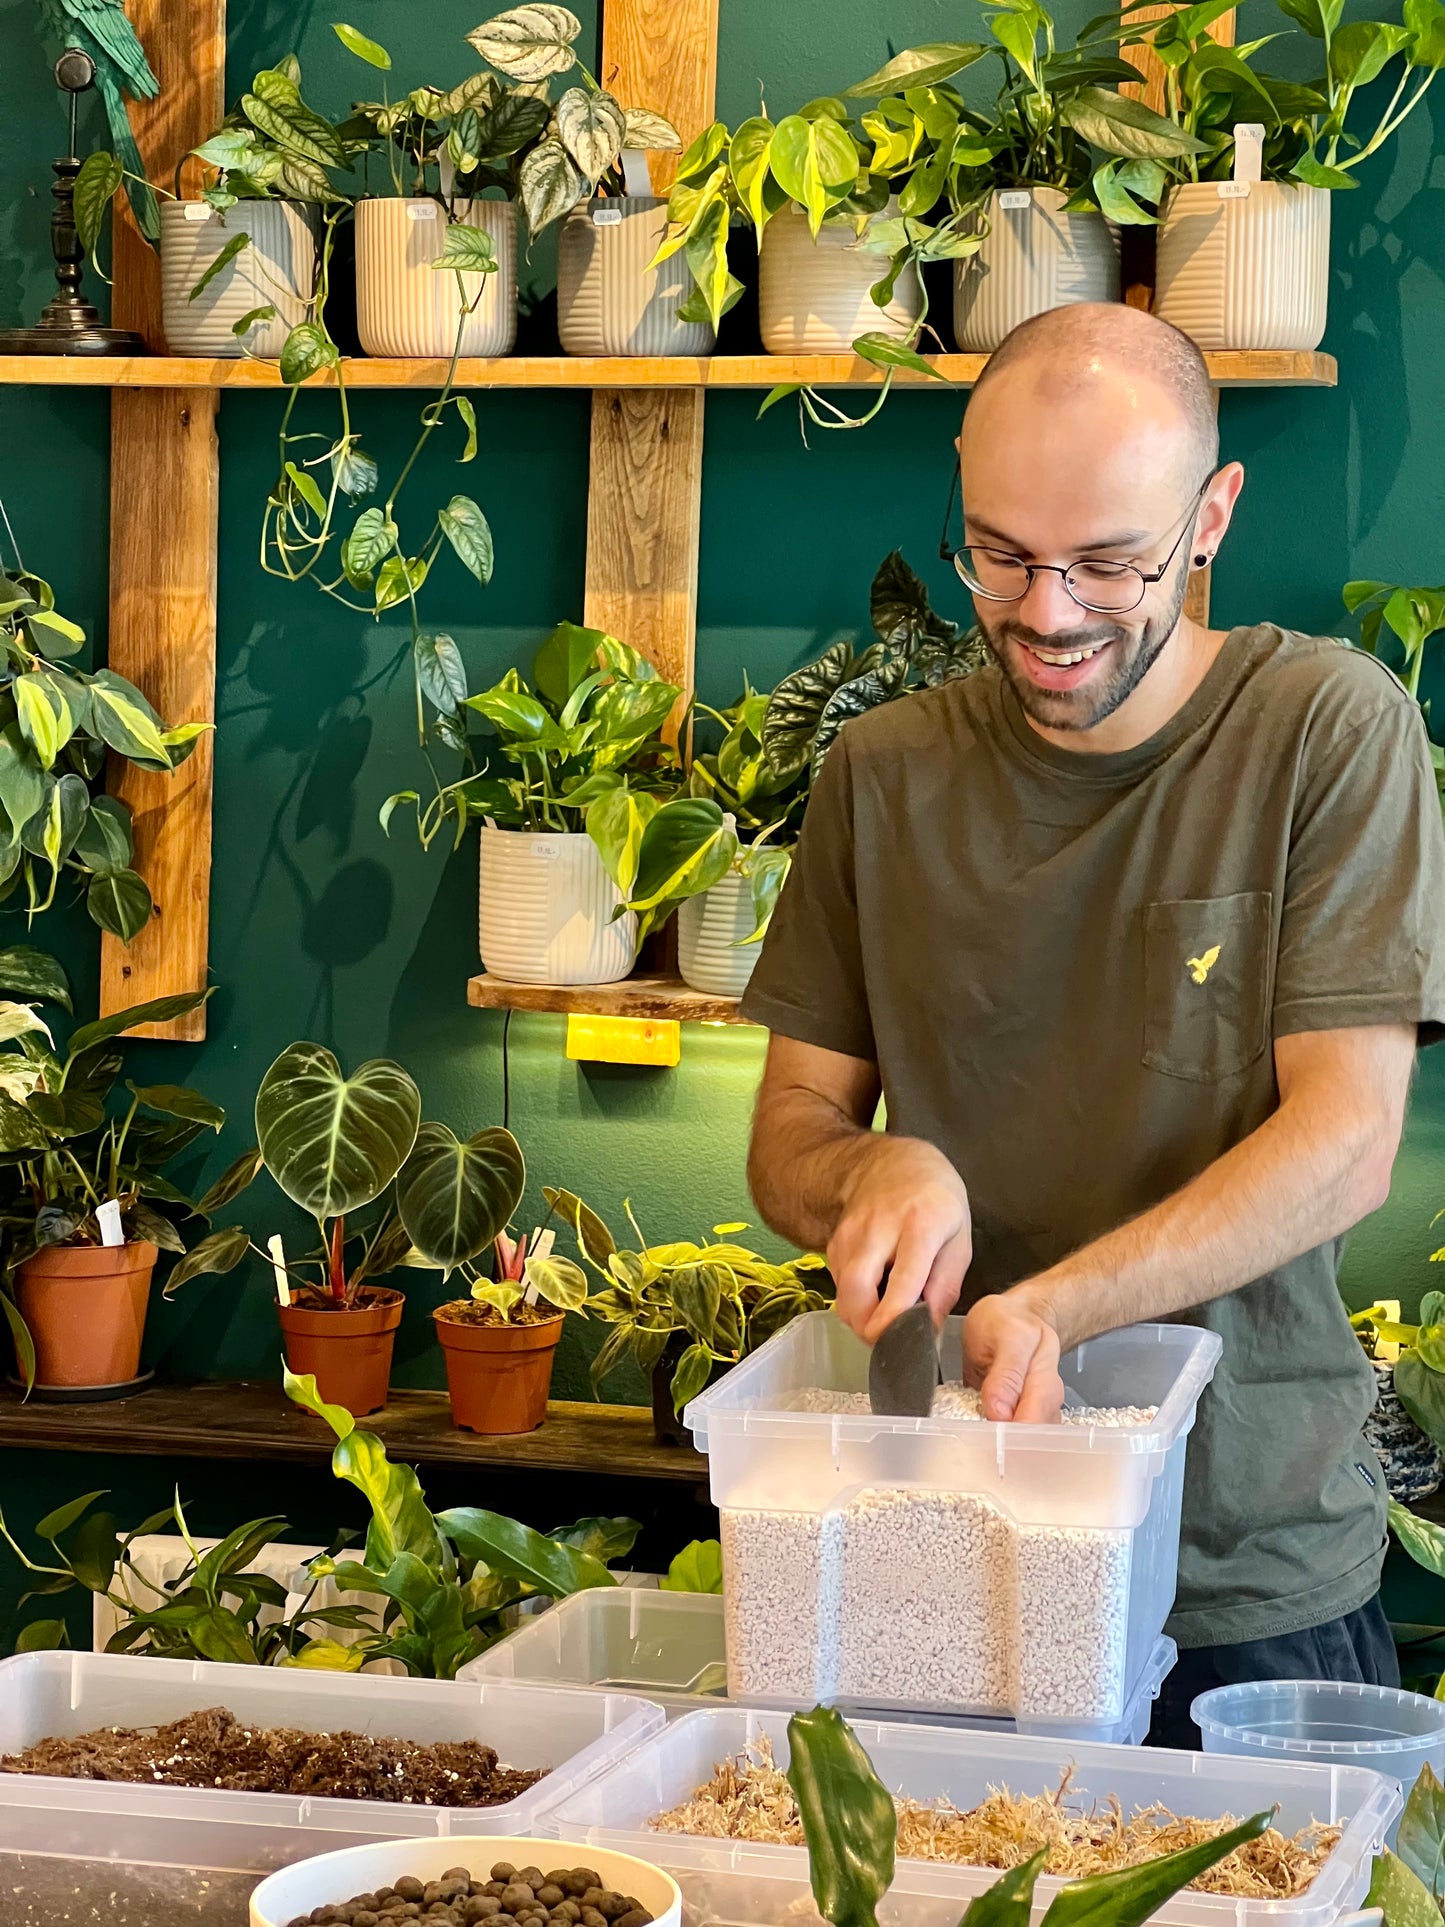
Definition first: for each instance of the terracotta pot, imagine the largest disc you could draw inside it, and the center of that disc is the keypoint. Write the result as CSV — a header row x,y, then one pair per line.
x,y
1250,272
85,1306
348,1352
498,1375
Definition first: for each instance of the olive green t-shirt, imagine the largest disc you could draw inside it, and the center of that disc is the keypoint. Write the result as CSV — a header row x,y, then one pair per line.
x,y
1069,969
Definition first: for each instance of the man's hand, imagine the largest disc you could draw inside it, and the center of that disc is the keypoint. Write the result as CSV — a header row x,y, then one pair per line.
x,y
1011,1354
905,1217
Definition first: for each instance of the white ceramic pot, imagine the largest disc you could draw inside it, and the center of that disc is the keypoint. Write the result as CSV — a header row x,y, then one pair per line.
x,y
711,952
1246,273
609,300
277,269
1032,259
813,296
407,308
546,911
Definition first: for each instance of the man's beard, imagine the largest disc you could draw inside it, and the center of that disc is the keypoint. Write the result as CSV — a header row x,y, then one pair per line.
x,y
1126,668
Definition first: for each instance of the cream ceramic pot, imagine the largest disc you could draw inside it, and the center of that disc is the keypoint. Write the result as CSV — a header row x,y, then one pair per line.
x,y
407,308
1033,258
610,300
712,951
277,269
1245,272
814,297
546,911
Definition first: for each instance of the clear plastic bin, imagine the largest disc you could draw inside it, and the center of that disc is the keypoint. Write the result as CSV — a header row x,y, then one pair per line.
x,y
948,1564
670,1647
727,1881
57,1695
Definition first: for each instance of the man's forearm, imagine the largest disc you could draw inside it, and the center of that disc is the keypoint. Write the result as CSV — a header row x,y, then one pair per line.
x,y
804,1154
1312,1170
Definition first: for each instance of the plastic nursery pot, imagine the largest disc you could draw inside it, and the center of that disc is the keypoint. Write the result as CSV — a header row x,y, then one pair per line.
x,y
1245,273
667,1425
349,1352
1033,258
813,296
712,952
277,270
610,301
545,914
498,1376
407,308
85,1306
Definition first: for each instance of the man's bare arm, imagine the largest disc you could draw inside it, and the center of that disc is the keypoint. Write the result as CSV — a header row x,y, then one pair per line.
x,y
879,1205
1314,1168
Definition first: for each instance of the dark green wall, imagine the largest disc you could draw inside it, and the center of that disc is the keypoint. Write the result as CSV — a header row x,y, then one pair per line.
x,y
322,928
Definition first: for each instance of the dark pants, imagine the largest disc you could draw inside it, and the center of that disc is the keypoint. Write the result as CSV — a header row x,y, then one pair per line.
x,y
1356,1648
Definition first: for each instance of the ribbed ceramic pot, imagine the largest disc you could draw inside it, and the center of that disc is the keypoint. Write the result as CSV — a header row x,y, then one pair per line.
x,y
813,296
610,301
546,911
407,308
1247,273
277,270
1032,259
712,951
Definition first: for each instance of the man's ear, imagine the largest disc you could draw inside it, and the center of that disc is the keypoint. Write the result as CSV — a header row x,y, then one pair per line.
x,y
1218,508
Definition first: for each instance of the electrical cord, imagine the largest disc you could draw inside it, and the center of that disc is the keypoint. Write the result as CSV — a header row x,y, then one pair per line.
x,y
507,1070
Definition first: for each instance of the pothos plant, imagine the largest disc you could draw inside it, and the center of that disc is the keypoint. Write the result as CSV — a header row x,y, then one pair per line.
x,y
57,724
1414,617
338,1145
720,1298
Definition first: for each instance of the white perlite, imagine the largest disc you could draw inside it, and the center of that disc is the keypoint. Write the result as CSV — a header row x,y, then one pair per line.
x,y
961,1401
926,1598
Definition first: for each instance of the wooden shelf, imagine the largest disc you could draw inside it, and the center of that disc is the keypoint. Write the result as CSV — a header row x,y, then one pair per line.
x,y
643,997
1285,368
258,1422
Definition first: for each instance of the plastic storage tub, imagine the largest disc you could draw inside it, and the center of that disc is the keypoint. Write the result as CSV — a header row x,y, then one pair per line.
x,y
1327,1721
724,1880
948,1564
670,1648
49,1695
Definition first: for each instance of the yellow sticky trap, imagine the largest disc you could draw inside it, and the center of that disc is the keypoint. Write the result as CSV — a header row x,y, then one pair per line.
x,y
623,1040
1387,1353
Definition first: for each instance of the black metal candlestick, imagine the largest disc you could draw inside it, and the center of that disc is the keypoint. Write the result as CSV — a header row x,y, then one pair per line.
x,y
70,325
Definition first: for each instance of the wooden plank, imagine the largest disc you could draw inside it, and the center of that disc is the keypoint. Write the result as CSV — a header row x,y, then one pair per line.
x,y
163,564
662,55
642,997
1151,89
259,1423
1265,368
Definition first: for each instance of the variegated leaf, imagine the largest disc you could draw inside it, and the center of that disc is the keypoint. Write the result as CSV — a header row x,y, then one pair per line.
x,y
529,43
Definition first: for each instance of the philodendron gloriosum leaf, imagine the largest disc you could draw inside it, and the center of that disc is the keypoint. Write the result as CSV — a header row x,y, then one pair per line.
x,y
330,1141
455,1195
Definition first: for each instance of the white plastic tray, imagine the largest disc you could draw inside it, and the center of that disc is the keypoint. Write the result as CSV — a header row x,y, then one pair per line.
x,y
50,1695
738,1881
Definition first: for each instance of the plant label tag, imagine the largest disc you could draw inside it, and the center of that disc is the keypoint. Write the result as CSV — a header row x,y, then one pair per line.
x,y
107,1216
1014,198
1248,150
196,211
278,1265
422,211
545,852
605,215
1233,190
636,178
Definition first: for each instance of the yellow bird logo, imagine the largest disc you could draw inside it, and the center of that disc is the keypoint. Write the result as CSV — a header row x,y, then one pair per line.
x,y
1200,967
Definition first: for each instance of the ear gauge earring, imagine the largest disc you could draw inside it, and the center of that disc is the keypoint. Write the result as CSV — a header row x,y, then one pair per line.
x,y
1201,561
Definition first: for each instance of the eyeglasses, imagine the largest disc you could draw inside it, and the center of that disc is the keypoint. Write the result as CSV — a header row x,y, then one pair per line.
x,y
1104,588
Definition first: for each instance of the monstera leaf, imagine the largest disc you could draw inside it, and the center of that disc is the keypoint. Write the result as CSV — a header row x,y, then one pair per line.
x,y
330,1141
455,1196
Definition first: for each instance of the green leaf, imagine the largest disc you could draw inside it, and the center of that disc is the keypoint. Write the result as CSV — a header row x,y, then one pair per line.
x,y
454,1196
355,471
42,1636
333,1142
697,1568
1421,1538
125,721
372,539
301,1390
1401,1894
1128,1896
105,841
398,579
469,418
441,672
718,288
96,186
517,716
616,823
54,634
26,972
64,1516
604,1539
1017,36
848,1819
19,1330
1422,1393
223,258
529,43
305,487
591,1233
221,1252
1315,173
550,184
558,1280
510,123
591,127
796,707
308,348
120,902
887,351
1317,17
815,162
694,1369
36,711
515,1551
277,110
22,786
217,1634
1126,127
157,1010
749,156
649,133
566,658
1421,1839
178,1100
465,527
361,45
925,66
468,249
93,1551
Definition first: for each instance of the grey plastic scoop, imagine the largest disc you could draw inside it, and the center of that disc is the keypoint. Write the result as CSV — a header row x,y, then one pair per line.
x,y
904,1369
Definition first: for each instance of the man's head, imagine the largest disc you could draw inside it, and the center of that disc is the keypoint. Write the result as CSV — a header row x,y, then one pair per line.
x,y
1091,435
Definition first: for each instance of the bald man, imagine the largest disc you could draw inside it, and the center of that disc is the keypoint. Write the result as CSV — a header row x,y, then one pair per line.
x,y
1135,931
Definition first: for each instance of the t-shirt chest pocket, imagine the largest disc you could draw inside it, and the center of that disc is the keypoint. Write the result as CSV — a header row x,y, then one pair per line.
x,y
1206,985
